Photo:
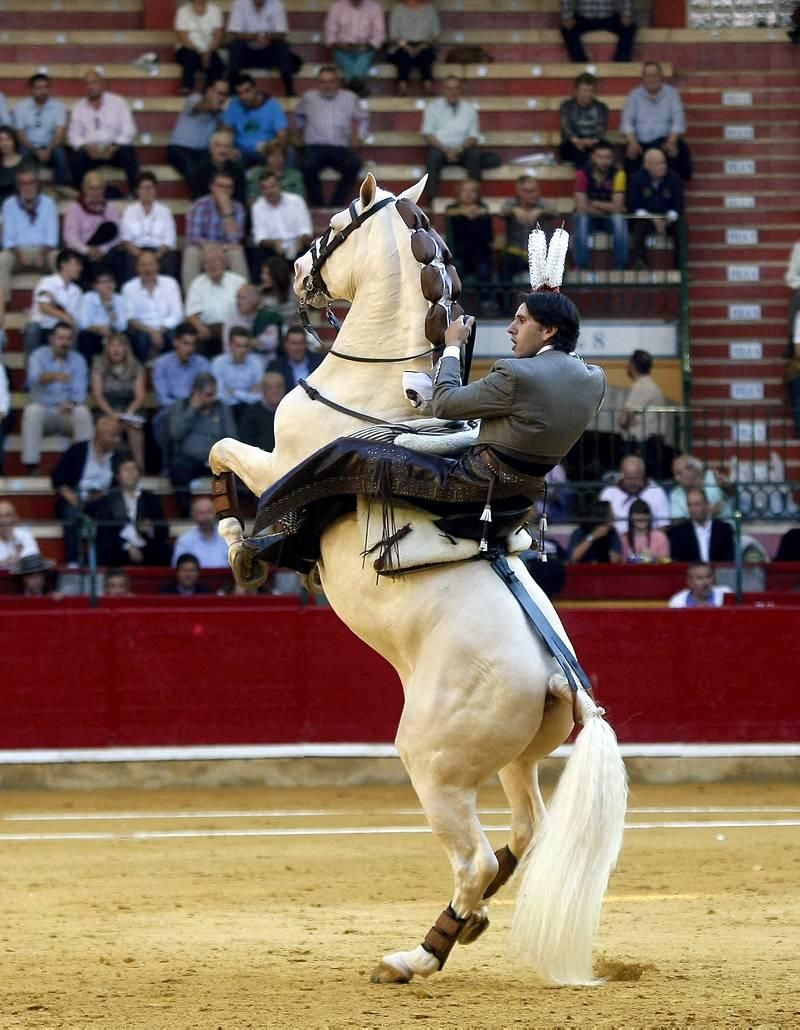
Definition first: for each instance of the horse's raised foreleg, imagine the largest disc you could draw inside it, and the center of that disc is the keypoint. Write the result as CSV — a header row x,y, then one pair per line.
x,y
255,468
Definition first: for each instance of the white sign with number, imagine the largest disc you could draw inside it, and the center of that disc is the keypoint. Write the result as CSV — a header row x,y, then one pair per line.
x,y
746,350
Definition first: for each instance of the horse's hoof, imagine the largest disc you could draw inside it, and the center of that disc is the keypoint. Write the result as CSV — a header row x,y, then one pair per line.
x,y
384,973
477,923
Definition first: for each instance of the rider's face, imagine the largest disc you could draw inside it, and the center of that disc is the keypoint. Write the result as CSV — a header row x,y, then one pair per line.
x,y
527,335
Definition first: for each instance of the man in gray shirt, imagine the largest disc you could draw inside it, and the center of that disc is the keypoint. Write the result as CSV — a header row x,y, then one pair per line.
x,y
654,117
41,122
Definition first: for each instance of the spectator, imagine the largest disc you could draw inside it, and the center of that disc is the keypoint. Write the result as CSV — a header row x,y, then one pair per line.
x,y
522,213
689,472
333,125
148,224
12,161
175,372
355,31
700,592
6,417
103,313
193,427
281,221
199,26
198,121
470,236
599,205
789,546
276,291
186,581
647,434
41,124
131,527
259,29
580,16
36,577
117,583
256,120
5,111
91,227
642,544
291,179
118,390
653,117
30,235
217,218
792,280
219,158
257,424
211,299
16,542
238,374
263,326
413,32
83,477
655,199
596,538
584,121
450,130
791,376
101,132
56,298
632,485
296,361
154,307
203,542
701,537
58,379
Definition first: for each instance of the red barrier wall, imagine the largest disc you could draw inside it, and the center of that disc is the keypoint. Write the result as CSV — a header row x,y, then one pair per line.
x,y
249,674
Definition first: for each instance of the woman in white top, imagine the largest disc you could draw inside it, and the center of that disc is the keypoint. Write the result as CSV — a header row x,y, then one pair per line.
x,y
199,26
149,225
15,542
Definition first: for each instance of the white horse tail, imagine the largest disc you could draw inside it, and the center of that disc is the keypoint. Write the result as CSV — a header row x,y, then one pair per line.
x,y
565,871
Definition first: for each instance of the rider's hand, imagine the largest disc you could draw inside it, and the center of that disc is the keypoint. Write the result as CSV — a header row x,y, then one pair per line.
x,y
457,333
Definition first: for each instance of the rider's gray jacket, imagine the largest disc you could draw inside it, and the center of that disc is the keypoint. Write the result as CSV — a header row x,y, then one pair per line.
x,y
534,409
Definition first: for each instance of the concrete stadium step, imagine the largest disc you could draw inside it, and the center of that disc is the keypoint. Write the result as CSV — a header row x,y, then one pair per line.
x,y
736,295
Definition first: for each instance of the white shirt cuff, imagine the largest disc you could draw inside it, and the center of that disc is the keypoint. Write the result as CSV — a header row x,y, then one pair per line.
x,y
452,351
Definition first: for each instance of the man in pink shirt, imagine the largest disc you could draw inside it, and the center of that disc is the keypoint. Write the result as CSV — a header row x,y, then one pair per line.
x,y
355,30
92,228
101,132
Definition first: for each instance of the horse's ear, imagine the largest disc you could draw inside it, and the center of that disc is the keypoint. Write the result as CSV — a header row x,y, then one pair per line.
x,y
368,190
413,193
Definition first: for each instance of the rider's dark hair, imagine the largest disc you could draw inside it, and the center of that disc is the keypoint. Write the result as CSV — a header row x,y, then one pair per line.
x,y
555,311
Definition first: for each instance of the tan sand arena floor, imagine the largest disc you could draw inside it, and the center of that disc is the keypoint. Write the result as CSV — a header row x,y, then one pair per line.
x,y
245,930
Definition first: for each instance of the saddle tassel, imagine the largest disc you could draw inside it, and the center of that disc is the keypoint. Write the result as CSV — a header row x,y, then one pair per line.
x,y
486,516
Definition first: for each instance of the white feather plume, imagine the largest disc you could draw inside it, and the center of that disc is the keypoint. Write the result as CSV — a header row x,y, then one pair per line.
x,y
556,258
537,258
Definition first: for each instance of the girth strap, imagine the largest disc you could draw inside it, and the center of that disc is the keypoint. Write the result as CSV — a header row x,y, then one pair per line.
x,y
567,661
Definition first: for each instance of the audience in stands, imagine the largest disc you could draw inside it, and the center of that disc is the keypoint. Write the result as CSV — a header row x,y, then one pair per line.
x,y
12,160
148,224
413,33
522,213
203,541
789,546
281,221
119,391
791,374
647,433
200,118
642,544
200,29
56,298
220,157
154,307
41,124
688,472
35,576
296,360
259,29
238,374
29,236
291,179
632,485
257,424
186,581
116,583
700,591
470,237
584,121
193,426
211,299
101,132
653,117
701,537
6,416
580,16
655,198
16,542
58,380
103,312
596,539
355,31
216,218
262,325
333,125
131,529
255,118
82,478
92,229
600,205
450,129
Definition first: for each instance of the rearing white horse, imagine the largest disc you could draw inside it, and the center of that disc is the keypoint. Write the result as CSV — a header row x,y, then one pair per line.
x,y
483,697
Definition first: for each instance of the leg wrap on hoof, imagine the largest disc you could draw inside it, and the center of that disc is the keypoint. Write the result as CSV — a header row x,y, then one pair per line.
x,y
226,500
508,863
443,935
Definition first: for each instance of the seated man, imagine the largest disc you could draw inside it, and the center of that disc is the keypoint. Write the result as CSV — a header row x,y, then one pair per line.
x,y
584,121
259,29
257,424
173,376
149,225
103,313
41,123
451,130
131,527
634,485
211,299
220,157
654,117
196,124
355,31
56,298
91,227
290,179
101,132
688,471
701,537
117,583
700,591
579,16
522,213
281,221
187,578
203,541
599,204
220,219
154,307
655,198
256,120
263,325
238,374
16,541
296,361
